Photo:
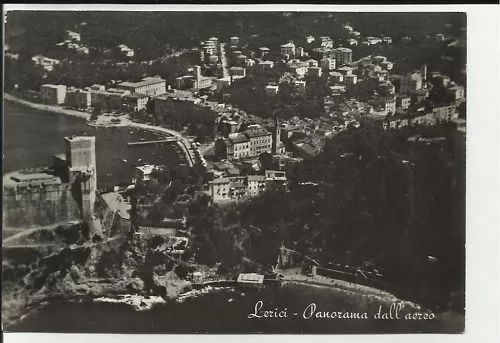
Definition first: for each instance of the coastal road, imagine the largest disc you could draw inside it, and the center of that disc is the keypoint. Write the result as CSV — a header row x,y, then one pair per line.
x,y
184,142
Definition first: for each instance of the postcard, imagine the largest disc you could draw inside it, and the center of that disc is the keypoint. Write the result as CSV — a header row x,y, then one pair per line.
x,y
234,171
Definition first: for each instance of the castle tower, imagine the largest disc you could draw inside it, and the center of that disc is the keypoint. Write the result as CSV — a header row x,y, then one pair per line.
x,y
80,155
276,136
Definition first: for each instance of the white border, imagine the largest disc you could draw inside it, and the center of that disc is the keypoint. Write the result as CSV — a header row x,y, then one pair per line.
x,y
482,288
249,8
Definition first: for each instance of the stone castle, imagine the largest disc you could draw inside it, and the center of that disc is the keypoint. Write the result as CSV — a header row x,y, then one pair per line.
x,y
54,195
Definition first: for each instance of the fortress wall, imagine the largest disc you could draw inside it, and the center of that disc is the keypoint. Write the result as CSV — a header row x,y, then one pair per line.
x,y
39,206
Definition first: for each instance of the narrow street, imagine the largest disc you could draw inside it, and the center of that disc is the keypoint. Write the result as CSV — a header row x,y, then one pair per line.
x,y
223,60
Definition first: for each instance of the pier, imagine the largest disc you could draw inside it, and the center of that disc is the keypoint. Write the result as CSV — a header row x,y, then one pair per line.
x,y
158,141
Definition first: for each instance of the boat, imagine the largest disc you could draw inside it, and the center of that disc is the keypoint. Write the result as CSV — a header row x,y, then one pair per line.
x,y
124,160
230,300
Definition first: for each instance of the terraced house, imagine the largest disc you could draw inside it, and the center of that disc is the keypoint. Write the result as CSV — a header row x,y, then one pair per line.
x,y
250,143
239,188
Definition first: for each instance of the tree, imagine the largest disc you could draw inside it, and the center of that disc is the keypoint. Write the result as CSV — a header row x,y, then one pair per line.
x,y
150,105
205,250
266,161
181,271
96,112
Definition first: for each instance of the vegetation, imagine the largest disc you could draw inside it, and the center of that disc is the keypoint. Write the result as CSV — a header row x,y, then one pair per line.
x,y
379,200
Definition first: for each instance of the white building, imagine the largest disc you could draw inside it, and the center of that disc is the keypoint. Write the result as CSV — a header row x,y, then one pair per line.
x,y
249,62
288,49
149,85
125,50
45,62
326,42
350,80
310,39
53,94
348,27
312,62
143,173
374,40
297,67
272,90
387,39
71,35
251,280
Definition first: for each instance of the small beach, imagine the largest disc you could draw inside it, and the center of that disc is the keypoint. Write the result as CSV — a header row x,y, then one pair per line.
x,y
294,277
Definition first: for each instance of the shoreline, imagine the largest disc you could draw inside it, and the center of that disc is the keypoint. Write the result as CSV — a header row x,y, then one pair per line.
x,y
346,287
352,290
183,142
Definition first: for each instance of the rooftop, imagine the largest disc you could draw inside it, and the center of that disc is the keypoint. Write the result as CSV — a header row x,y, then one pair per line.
x,y
144,82
36,177
256,178
147,168
343,49
256,133
80,138
240,138
251,278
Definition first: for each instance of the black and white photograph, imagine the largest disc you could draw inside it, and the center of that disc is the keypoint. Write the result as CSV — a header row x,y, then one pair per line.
x,y
239,172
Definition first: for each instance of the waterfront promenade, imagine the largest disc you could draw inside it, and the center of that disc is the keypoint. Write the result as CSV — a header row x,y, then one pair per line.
x,y
125,121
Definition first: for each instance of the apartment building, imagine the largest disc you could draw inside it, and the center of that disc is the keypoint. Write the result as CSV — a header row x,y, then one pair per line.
x,y
250,143
240,188
288,49
78,98
53,94
150,86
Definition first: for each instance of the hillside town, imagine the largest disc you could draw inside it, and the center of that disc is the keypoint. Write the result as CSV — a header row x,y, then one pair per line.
x,y
351,92
257,128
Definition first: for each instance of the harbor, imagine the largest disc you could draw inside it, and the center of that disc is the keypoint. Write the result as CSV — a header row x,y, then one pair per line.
x,y
115,161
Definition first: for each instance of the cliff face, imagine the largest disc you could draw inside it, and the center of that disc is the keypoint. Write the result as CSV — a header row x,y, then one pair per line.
x,y
39,206
115,265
